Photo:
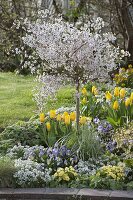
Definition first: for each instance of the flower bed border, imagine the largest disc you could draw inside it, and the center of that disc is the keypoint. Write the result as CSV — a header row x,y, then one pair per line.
x,y
64,193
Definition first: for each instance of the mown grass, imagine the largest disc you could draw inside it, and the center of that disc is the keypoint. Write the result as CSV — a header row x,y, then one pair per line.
x,y
16,98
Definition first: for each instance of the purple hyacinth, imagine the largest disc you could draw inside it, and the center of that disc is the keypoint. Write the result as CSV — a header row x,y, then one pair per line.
x,y
55,152
100,128
96,120
41,153
111,146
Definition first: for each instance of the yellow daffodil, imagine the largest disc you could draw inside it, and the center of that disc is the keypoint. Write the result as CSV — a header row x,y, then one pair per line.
x,y
108,96
72,116
64,114
58,118
67,119
94,90
83,120
42,117
84,91
127,102
116,92
52,114
131,96
84,100
122,93
116,105
131,101
48,126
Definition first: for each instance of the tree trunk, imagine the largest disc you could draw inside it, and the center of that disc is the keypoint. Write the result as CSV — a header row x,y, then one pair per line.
x,y
128,25
77,106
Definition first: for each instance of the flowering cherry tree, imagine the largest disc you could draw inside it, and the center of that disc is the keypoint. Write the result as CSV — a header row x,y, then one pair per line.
x,y
79,54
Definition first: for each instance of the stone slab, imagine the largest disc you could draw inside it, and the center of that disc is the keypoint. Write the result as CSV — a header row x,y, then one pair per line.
x,y
63,194
38,193
121,195
89,194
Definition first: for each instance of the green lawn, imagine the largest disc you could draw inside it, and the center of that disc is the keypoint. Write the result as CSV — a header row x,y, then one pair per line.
x,y
16,98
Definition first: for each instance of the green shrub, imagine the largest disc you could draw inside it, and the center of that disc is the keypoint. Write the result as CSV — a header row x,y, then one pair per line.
x,y
26,133
7,169
130,185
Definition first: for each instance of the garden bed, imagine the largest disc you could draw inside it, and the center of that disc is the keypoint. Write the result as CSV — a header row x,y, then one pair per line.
x,y
55,193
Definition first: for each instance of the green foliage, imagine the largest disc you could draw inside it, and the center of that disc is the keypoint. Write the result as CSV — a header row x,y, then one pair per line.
x,y
89,143
108,177
129,164
130,185
26,133
7,169
57,131
94,102
65,174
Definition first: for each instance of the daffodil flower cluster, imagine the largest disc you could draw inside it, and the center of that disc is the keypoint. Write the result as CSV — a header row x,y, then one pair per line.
x,y
119,105
65,117
119,95
92,101
56,125
65,174
85,94
124,77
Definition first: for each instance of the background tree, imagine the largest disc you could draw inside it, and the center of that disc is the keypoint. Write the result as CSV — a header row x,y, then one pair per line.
x,y
118,15
11,36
